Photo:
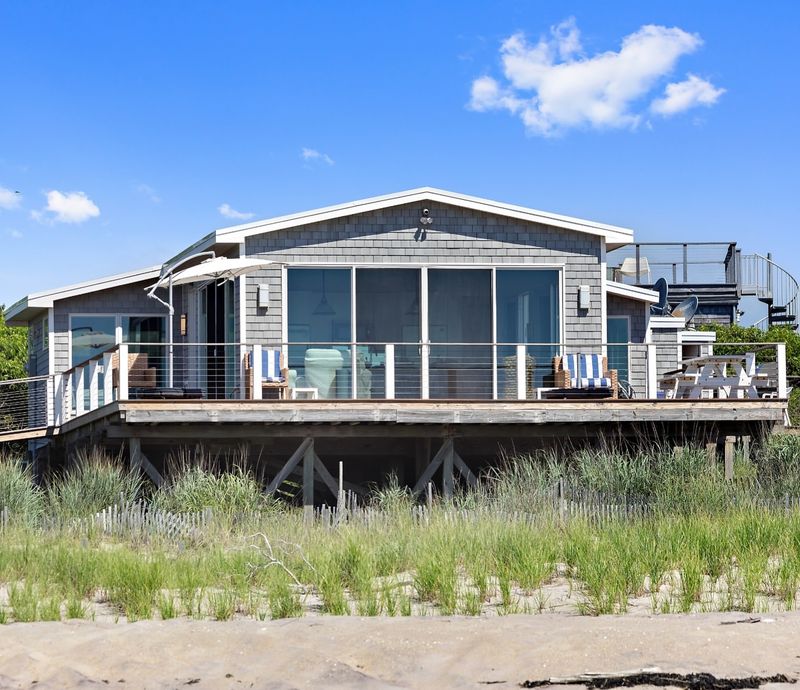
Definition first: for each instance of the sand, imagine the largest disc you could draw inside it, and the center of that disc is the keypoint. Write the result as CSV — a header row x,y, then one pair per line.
x,y
366,653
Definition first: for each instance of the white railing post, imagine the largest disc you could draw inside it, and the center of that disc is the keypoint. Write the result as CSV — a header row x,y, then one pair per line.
x,y
51,397
108,379
522,373
65,398
80,395
256,372
242,369
353,373
494,372
123,372
389,371
780,357
652,371
425,351
94,380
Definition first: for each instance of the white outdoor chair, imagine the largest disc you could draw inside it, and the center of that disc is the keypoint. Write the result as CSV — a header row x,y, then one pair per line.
x,y
628,268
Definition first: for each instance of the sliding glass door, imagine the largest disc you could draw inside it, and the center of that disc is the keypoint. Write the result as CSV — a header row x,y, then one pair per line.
x,y
527,308
475,318
388,311
320,329
460,314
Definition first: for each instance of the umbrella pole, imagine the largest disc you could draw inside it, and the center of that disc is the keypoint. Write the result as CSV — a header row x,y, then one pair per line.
x,y
171,333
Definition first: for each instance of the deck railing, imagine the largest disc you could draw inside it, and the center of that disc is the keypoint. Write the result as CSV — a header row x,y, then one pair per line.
x,y
375,371
679,263
26,404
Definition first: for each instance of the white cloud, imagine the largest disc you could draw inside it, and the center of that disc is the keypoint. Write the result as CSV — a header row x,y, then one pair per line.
x,y
67,207
229,212
681,96
9,199
147,191
552,86
312,155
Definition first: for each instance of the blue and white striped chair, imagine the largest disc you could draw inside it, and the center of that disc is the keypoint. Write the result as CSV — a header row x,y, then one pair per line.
x,y
273,373
584,371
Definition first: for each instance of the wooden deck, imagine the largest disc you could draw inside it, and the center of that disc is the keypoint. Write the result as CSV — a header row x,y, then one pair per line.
x,y
240,418
375,437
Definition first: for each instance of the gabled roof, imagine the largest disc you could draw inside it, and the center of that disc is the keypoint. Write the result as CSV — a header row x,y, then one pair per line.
x,y
21,312
614,236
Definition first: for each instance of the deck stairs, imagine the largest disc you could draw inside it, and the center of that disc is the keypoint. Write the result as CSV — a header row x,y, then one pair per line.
x,y
773,285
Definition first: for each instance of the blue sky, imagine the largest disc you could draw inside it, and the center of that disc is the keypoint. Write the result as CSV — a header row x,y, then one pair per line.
x,y
127,125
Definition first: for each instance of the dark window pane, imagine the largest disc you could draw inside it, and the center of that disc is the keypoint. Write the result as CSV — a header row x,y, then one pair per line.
x,y
527,312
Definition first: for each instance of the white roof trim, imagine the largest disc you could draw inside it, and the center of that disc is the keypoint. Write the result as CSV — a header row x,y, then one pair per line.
x,y
631,292
45,300
697,337
237,233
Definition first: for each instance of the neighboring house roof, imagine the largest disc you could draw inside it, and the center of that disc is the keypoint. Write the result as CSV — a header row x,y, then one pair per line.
x,y
614,236
28,307
631,292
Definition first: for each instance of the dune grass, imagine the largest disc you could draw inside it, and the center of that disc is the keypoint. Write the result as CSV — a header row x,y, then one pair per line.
x,y
705,544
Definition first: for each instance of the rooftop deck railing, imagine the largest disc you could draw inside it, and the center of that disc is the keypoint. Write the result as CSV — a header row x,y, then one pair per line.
x,y
715,263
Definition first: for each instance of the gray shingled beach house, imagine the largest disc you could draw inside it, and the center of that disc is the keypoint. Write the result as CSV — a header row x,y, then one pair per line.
x,y
426,327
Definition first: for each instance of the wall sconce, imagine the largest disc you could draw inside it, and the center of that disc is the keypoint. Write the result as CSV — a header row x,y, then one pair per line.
x,y
183,328
583,296
263,296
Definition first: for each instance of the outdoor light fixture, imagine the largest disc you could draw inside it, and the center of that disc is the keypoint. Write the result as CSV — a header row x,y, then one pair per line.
x,y
583,297
263,296
183,325
425,219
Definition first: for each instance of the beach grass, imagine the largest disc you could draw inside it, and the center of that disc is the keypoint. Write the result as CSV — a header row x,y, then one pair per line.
x,y
504,547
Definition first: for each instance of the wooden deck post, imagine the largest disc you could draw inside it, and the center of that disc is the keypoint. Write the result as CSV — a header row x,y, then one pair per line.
x,y
308,483
434,464
711,453
447,470
291,463
730,448
138,460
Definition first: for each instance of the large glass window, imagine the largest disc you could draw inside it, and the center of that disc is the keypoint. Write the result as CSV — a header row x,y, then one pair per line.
x,y
91,335
619,331
388,311
320,322
460,313
527,308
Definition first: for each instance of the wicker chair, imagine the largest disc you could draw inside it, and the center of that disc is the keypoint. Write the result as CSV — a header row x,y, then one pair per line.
x,y
140,375
590,371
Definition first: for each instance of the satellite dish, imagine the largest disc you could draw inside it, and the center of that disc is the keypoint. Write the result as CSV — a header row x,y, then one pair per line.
x,y
686,309
662,307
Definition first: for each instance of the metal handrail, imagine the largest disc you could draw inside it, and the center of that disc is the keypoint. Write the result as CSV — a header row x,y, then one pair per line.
x,y
778,284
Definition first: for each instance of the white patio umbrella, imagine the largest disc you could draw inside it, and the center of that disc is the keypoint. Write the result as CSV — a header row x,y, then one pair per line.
x,y
218,268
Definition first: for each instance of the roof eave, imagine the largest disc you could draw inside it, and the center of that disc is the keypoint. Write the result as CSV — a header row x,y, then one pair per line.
x,y
631,292
613,235
45,299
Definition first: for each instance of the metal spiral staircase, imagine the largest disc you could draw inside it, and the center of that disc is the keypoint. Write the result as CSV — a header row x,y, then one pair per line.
x,y
773,285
